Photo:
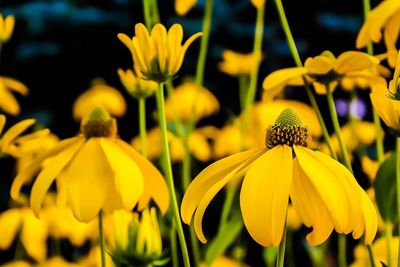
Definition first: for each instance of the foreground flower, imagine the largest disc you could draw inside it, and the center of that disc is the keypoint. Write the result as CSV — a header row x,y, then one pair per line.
x,y
6,28
236,64
8,103
323,192
115,177
159,55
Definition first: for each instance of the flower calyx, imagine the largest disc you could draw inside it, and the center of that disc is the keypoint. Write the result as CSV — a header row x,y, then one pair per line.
x,y
99,124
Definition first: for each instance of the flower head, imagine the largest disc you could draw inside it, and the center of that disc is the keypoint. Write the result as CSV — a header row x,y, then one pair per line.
x,y
8,103
136,87
94,171
323,192
158,55
6,28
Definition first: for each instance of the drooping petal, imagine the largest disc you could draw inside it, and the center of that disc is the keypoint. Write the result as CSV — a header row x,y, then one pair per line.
x,y
207,178
177,64
264,196
2,122
52,168
182,7
353,61
126,41
319,64
282,77
8,102
10,223
87,179
15,131
34,235
14,85
174,39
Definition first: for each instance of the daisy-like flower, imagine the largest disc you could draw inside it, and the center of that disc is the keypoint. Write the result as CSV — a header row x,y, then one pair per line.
x,y
100,95
134,85
182,7
322,70
94,171
6,28
236,64
158,55
8,103
323,192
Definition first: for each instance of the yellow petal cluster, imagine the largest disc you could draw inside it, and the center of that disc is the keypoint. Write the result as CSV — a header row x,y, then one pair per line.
x,y
136,87
6,28
8,103
236,64
158,55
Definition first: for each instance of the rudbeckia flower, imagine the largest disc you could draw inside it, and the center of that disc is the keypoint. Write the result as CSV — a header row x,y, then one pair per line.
x,y
99,96
236,64
8,103
6,28
136,87
158,55
320,71
186,97
379,247
323,192
117,175
182,7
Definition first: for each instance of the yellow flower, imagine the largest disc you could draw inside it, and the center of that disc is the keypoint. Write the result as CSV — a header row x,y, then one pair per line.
x,y
8,103
117,175
323,192
158,55
182,7
6,28
258,3
187,97
236,64
379,247
99,96
365,79
320,71
94,259
136,87
370,167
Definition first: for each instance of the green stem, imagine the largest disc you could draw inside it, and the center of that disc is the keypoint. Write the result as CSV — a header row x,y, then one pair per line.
x,y
154,11
174,251
230,196
388,236
281,250
336,127
257,51
371,256
142,125
379,137
398,187
289,247
243,86
297,60
102,240
146,12
201,61
342,250
168,173
366,10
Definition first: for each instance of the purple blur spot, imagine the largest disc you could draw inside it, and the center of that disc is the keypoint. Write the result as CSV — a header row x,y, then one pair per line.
x,y
342,107
358,109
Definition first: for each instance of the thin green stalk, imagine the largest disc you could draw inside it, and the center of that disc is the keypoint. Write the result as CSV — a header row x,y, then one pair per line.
x,y
281,250
398,187
371,256
102,240
243,86
146,12
174,251
201,61
342,250
336,127
155,16
379,137
297,60
289,248
168,173
142,125
367,9
388,235
226,209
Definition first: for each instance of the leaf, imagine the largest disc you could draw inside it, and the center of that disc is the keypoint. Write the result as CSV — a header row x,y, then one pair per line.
x,y
385,189
224,238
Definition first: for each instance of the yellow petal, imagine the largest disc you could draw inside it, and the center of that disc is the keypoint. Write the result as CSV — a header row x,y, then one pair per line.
x,y
15,131
8,27
175,36
182,7
53,167
126,41
319,64
177,64
10,222
34,236
88,177
265,195
8,102
388,109
14,85
159,36
2,122
282,77
128,177
353,61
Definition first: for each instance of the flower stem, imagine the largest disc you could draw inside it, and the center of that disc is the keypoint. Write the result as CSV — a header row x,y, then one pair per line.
x,y
168,173
281,250
154,11
146,12
388,235
142,125
243,86
366,10
342,250
398,187
174,251
102,240
230,196
297,60
379,137
371,256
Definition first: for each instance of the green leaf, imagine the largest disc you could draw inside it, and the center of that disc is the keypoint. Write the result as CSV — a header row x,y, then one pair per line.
x,y
385,189
224,238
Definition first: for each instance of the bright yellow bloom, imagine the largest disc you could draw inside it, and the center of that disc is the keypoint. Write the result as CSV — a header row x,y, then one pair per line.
x,y
182,7
158,56
323,192
185,98
136,87
321,70
258,3
117,175
6,28
379,247
8,103
99,96
236,64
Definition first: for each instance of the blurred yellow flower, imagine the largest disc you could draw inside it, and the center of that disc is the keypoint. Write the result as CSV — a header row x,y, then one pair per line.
x,y
136,86
286,168
379,248
236,64
187,98
8,103
58,262
182,7
365,79
99,96
94,259
370,167
229,140
321,70
117,175
223,261
158,56
17,264
6,28
258,3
